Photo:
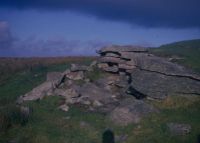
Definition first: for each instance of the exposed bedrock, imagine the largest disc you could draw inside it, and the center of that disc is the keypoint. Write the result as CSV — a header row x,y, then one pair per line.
x,y
106,85
131,111
150,76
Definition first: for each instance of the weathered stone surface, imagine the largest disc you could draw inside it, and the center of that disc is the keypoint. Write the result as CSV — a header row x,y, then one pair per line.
x,y
157,64
54,76
179,129
131,71
97,103
93,92
131,62
130,111
121,138
66,93
123,81
127,55
64,107
158,85
112,55
151,76
75,75
118,49
76,67
102,65
39,92
67,71
94,63
113,69
126,67
112,60
108,82
111,79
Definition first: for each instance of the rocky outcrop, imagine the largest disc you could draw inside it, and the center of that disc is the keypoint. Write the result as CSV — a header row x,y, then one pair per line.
x,y
125,71
93,94
54,80
38,93
158,85
54,76
149,76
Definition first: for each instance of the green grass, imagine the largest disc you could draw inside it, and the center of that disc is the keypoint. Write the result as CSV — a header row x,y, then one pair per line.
x,y
47,124
154,129
189,51
50,125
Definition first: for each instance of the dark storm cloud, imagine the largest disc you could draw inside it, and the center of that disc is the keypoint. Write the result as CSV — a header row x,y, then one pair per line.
x,y
148,13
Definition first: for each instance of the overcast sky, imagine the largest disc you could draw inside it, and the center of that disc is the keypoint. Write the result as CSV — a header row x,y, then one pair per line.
x,y
80,27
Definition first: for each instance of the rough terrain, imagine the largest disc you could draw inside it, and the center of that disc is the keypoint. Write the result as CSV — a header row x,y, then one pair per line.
x,y
130,75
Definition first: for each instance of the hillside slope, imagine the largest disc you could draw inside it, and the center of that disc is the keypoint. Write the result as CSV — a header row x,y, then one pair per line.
x,y
186,53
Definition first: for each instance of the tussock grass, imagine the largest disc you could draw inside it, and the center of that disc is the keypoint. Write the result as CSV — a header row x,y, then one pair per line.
x,y
188,53
47,124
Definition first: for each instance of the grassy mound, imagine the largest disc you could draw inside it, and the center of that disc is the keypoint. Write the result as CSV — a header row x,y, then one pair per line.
x,y
186,53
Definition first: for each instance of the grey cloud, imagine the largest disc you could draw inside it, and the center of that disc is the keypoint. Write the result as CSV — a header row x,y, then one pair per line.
x,y
6,38
32,47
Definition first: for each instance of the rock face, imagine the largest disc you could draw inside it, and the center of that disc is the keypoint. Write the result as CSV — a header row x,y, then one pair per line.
x,y
39,92
125,71
54,76
179,129
158,85
150,76
94,94
131,110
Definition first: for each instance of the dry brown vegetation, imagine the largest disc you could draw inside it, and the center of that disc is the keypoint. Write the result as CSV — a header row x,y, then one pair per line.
x,y
13,65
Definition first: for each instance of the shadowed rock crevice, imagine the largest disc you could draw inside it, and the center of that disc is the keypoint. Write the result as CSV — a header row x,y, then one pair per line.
x,y
149,75
117,84
135,93
188,93
176,75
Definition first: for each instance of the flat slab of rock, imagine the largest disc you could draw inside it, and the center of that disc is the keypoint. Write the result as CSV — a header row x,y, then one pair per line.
x,y
158,85
111,79
112,60
38,92
54,76
130,111
75,75
126,66
160,65
112,55
94,92
66,93
64,107
112,69
179,129
118,49
102,65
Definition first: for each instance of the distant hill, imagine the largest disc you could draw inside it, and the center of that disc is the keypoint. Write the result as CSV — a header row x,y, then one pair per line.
x,y
186,53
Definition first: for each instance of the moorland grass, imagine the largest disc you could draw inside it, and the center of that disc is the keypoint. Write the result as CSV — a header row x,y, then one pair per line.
x,y
188,53
47,124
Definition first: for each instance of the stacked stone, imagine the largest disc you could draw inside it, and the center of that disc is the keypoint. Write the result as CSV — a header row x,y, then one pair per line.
x,y
148,75
119,59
